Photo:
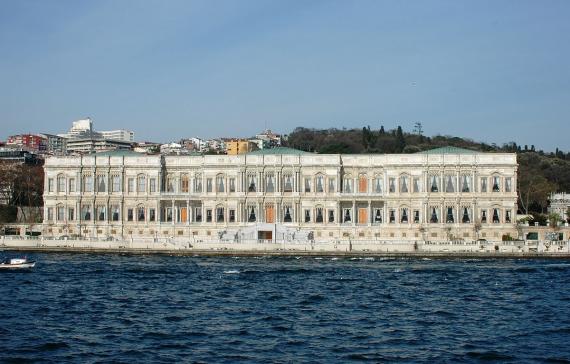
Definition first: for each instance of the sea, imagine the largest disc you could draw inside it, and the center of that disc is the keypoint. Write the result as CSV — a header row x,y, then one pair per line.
x,y
89,308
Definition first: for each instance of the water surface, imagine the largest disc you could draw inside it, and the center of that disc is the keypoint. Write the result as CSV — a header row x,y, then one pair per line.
x,y
113,308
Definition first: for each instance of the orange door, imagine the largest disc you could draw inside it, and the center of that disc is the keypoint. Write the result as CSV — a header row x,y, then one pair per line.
x,y
269,214
362,215
183,214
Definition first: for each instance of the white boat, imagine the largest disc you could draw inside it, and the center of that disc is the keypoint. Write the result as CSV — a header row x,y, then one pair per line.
x,y
17,263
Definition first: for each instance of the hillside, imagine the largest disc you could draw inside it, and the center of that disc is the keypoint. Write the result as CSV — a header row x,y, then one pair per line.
x,y
540,173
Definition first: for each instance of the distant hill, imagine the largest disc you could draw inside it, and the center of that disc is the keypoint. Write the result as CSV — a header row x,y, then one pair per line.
x,y
540,173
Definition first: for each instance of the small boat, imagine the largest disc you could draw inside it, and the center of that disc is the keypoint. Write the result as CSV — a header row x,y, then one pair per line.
x,y
17,263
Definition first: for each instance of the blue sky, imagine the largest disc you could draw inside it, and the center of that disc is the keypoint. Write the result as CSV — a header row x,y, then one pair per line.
x,y
495,71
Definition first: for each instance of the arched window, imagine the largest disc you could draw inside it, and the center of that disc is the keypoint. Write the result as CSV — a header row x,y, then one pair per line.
x,y
404,215
269,183
449,183
170,183
287,214
141,183
251,214
60,183
140,213
450,215
287,183
319,214
251,183
220,184
404,183
466,218
496,183
319,183
434,218
198,183
101,185
465,183
378,184
347,184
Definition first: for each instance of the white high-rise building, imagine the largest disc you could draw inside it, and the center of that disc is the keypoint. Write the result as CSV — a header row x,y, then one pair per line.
x,y
121,134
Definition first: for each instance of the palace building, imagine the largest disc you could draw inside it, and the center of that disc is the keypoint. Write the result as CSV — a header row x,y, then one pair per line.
x,y
441,194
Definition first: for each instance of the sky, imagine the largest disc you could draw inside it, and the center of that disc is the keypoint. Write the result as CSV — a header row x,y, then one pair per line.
x,y
493,71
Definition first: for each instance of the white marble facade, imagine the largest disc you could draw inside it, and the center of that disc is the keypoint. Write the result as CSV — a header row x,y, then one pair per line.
x,y
424,196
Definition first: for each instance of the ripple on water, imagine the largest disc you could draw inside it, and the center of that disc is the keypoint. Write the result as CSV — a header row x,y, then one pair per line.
x,y
92,308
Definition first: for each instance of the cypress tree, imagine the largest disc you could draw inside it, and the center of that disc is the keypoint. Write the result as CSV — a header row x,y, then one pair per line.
x,y
400,141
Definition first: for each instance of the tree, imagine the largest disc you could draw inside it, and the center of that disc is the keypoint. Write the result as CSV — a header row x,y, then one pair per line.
x,y
400,141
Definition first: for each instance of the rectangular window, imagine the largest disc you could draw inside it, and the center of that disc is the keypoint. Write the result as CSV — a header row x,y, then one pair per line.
x,y
184,184
465,184
320,181
508,184
198,184
116,180
86,212
287,183
507,216
347,185
101,213
434,215
71,214
131,185
60,213
270,184
232,217
378,182
496,184
319,218
220,214
88,184
392,216
220,186
60,184
404,183
483,184
307,184
392,185
331,185
417,185
251,183
331,215
130,214
287,212
152,185
346,215
72,185
141,184
115,213
50,213
169,214
209,187
378,216
416,216
151,214
198,214
484,216
208,215
433,184
307,215
101,184
449,184
50,184
140,214
232,185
